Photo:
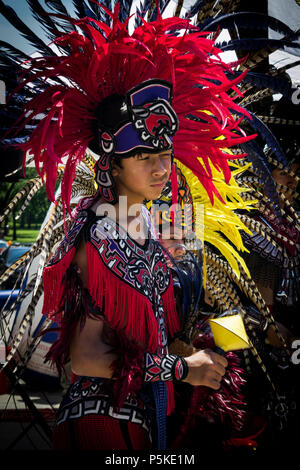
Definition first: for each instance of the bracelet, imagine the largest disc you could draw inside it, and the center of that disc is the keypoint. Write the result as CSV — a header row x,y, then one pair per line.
x,y
164,367
180,369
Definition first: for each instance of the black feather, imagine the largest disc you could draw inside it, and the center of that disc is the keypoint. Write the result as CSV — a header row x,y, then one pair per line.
x,y
98,13
28,34
58,7
248,20
81,9
262,170
255,44
268,137
125,8
164,5
285,68
141,11
10,55
43,19
194,9
279,85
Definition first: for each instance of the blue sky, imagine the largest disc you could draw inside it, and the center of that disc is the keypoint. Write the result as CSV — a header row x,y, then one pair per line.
x,y
21,7
8,33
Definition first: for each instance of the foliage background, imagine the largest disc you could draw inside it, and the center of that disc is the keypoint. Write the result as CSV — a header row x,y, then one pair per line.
x,y
25,228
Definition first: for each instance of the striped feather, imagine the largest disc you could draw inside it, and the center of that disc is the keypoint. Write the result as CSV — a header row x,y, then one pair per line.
x,y
38,185
267,232
264,369
257,96
31,348
18,197
25,325
213,8
178,7
22,295
54,217
279,120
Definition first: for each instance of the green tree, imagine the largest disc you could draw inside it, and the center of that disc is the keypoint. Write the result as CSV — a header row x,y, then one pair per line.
x,y
34,213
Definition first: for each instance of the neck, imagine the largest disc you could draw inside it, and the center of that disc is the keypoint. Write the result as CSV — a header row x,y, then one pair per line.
x,y
126,214
127,208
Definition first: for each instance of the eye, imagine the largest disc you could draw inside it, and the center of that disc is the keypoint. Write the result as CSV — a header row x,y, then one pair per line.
x,y
141,157
166,155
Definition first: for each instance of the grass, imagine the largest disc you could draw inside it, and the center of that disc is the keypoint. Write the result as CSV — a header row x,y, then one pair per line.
x,y
23,235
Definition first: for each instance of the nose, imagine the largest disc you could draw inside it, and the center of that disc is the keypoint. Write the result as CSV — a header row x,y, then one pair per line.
x,y
161,166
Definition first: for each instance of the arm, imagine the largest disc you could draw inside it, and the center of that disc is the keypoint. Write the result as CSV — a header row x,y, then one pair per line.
x,y
91,356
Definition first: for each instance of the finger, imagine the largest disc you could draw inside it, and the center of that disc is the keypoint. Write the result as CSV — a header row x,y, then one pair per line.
x,y
219,369
215,384
219,359
213,377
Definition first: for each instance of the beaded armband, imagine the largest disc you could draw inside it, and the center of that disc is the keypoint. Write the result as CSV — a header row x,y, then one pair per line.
x,y
164,367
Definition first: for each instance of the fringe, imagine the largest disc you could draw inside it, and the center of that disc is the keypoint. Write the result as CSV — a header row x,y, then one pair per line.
x,y
55,287
226,404
125,308
75,310
127,368
171,316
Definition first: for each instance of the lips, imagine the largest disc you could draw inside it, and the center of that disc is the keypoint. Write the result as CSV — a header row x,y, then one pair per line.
x,y
159,185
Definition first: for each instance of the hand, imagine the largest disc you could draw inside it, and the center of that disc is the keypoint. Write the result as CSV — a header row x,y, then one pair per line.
x,y
206,368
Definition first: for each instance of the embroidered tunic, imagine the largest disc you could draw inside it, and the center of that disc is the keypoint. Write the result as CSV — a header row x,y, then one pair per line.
x,y
130,285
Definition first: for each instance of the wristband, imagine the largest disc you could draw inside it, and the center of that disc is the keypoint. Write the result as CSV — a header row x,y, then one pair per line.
x,y
164,367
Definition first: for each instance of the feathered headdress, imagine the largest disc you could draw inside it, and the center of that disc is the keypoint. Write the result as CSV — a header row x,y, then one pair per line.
x,y
99,61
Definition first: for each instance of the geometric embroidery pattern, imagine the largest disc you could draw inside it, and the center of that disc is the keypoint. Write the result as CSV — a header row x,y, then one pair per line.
x,y
141,267
162,368
88,396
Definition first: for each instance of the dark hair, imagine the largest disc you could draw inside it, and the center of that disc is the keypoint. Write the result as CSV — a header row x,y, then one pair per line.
x,y
110,113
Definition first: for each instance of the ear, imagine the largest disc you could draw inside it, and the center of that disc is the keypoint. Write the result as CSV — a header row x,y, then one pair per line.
x,y
115,169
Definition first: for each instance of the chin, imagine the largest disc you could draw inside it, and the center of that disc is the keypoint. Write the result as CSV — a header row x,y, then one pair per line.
x,y
155,194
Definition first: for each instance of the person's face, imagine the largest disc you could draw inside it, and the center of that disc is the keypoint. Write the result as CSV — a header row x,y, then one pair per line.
x,y
143,176
283,178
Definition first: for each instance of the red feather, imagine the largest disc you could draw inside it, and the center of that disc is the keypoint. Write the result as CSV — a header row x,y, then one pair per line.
x,y
99,65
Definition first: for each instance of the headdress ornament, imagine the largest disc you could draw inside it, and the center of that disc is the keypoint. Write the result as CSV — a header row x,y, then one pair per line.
x,y
99,62
146,122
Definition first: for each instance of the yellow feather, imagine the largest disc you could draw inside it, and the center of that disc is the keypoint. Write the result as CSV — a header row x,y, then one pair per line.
x,y
220,225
